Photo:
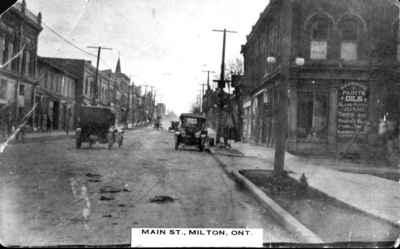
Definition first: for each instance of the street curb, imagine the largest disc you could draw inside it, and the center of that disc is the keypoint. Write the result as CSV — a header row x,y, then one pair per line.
x,y
286,219
281,215
355,208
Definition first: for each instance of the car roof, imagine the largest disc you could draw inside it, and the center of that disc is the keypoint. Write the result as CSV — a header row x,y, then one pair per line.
x,y
192,115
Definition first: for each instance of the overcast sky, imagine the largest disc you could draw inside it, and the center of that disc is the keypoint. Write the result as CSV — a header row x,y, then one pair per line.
x,y
164,43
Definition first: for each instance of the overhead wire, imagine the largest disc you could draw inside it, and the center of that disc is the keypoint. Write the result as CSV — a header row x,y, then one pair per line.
x,y
72,43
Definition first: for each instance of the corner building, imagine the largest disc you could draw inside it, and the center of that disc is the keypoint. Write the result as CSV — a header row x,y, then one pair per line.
x,y
343,74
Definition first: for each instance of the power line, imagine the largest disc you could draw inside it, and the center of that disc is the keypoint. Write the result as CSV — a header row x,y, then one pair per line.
x,y
73,44
68,41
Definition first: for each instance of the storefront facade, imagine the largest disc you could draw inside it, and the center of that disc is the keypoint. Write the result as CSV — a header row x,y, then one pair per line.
x,y
340,81
55,97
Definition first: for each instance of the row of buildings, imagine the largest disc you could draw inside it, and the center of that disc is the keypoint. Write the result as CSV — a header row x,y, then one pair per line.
x,y
57,85
340,60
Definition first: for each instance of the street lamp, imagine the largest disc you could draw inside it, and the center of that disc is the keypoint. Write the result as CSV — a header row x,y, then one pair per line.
x,y
299,61
271,60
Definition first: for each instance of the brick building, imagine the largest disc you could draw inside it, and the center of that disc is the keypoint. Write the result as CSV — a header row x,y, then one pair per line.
x,y
55,97
19,31
342,73
112,88
123,95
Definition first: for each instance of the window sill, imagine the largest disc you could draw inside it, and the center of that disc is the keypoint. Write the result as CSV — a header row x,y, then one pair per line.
x,y
313,140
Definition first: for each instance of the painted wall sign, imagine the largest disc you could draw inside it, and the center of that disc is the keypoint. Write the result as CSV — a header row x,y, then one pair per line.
x,y
318,50
352,113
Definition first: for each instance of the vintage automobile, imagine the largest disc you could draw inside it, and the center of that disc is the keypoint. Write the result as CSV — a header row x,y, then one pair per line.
x,y
192,131
97,125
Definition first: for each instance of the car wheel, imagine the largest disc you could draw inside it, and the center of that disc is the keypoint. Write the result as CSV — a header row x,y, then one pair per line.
x,y
201,146
211,142
78,143
120,141
110,140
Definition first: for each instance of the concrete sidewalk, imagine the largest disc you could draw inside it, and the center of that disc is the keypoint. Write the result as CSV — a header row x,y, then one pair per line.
x,y
35,135
373,195
48,134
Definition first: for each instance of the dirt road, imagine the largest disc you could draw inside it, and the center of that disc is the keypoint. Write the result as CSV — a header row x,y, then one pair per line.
x,y
54,194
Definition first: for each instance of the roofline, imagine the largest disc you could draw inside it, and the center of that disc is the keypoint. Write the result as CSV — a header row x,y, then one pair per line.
x,y
35,23
192,115
262,16
58,67
61,58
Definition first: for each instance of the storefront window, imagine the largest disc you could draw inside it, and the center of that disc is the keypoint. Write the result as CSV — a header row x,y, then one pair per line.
x,y
312,121
3,89
2,49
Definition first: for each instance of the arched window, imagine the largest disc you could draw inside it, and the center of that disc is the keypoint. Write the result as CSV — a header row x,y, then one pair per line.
x,y
349,34
319,39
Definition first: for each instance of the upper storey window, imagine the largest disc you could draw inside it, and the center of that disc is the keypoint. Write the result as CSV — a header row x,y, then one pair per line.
x,y
319,40
349,31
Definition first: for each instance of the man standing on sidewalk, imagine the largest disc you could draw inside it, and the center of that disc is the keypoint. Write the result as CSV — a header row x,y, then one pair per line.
x,y
67,121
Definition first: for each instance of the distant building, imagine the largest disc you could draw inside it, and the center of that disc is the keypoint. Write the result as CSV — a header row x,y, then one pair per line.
x,y
19,31
123,95
161,109
112,87
343,74
84,74
55,97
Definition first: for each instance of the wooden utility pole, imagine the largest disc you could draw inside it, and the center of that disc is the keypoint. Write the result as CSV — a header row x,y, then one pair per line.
x,y
286,22
221,82
202,96
208,76
133,111
95,90
145,106
208,87
129,103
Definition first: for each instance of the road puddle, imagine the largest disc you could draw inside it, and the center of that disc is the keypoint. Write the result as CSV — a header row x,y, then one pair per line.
x,y
162,199
107,198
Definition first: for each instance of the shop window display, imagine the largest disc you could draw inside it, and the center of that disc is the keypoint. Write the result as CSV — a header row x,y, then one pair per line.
x,y
312,120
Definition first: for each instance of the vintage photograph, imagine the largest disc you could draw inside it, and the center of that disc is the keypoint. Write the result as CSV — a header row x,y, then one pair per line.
x,y
139,123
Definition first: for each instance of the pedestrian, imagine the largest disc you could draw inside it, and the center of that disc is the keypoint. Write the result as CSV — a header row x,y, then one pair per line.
x,y
21,133
227,127
49,123
67,121
3,127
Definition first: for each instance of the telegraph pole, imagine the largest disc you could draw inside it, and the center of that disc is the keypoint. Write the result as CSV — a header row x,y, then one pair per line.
x,y
133,111
208,76
145,109
221,82
208,87
95,97
129,102
152,101
202,96
281,131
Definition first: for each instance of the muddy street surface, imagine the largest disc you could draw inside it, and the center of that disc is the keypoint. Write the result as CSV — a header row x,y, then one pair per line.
x,y
54,194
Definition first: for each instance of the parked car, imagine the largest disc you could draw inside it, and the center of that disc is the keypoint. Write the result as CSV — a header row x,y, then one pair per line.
x,y
97,125
192,131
